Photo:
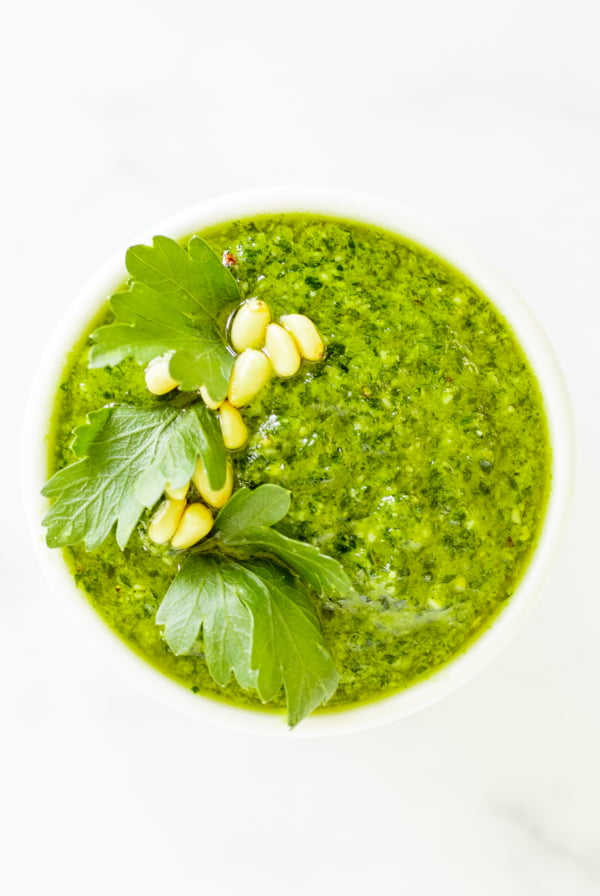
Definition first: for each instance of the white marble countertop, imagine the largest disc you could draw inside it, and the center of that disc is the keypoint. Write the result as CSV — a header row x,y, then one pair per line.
x,y
483,115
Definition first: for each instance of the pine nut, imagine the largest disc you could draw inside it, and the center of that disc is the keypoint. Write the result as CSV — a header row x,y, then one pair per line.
x,y
214,497
196,523
249,325
158,379
163,524
306,336
177,494
233,428
208,401
282,350
251,371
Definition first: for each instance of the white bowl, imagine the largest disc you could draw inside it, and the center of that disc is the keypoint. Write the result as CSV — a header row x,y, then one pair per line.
x,y
355,207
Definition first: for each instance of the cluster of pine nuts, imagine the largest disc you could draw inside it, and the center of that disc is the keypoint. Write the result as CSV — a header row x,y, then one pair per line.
x,y
182,523
262,349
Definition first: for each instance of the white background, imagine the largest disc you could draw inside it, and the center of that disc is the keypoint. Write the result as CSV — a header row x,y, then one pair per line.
x,y
484,115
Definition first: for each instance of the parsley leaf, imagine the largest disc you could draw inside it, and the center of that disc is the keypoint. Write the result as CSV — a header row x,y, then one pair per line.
x,y
202,596
243,528
175,303
195,433
288,647
264,506
257,622
126,457
322,573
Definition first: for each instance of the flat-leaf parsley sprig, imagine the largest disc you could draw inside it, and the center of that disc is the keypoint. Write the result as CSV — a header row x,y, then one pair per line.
x,y
245,589
126,456
175,303
244,592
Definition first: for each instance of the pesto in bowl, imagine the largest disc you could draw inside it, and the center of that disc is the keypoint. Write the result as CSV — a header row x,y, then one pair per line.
x,y
417,454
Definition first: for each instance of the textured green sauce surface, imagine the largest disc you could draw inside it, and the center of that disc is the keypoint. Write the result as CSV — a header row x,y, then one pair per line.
x,y
417,453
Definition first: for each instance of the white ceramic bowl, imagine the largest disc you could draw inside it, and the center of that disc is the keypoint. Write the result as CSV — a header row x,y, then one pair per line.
x,y
356,207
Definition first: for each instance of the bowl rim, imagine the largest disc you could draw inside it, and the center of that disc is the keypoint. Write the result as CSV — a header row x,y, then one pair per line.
x,y
359,208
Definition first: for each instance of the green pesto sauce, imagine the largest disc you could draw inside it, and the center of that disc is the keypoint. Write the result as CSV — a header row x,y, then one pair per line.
x,y
417,454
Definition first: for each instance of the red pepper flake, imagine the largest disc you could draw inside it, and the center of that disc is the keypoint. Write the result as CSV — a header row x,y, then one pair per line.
x,y
229,258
